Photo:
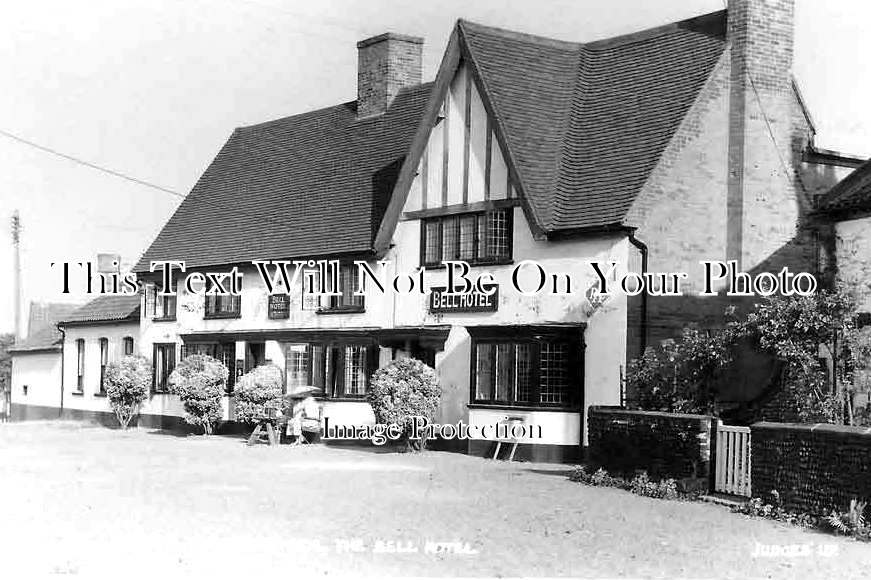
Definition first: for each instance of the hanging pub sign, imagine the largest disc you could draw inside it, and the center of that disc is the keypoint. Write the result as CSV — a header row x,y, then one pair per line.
x,y
279,306
441,302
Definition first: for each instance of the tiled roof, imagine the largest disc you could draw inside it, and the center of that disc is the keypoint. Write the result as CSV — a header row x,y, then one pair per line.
x,y
42,332
587,123
851,193
306,185
109,308
584,124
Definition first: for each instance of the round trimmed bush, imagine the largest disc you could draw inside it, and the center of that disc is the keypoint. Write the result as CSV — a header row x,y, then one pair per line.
x,y
127,384
258,393
401,390
200,381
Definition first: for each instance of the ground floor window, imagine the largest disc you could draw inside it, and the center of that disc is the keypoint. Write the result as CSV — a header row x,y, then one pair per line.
x,y
340,370
128,345
80,364
164,364
527,367
104,361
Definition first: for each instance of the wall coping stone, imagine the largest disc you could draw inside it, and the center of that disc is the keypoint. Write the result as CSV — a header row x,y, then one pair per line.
x,y
812,428
662,414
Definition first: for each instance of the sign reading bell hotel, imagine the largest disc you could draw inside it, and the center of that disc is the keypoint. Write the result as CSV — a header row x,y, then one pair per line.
x,y
441,302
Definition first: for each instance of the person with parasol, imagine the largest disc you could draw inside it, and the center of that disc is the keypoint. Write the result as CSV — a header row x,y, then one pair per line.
x,y
304,413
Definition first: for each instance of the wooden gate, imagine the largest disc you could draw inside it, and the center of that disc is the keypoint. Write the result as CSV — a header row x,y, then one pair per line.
x,y
732,473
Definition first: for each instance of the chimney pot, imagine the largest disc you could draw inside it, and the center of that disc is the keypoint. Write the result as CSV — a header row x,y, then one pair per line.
x,y
385,65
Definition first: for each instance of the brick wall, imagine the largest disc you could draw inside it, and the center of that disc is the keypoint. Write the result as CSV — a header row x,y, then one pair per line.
x,y
732,183
386,64
663,444
814,468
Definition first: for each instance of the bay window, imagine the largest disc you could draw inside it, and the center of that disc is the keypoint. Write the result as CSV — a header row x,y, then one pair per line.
x,y
519,368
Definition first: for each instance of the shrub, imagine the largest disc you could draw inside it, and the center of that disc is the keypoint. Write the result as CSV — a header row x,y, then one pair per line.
x,y
404,389
851,522
199,381
641,484
258,392
664,489
681,376
127,385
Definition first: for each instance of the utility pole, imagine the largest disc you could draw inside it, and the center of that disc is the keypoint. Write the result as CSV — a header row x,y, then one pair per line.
x,y
16,245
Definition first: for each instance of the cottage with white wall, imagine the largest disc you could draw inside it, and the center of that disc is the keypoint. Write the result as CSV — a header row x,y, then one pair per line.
x,y
62,375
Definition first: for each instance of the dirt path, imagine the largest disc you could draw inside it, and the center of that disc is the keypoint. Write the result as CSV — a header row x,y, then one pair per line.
x,y
91,502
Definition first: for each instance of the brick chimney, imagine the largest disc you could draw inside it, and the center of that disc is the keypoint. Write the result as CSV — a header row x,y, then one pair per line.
x,y
761,203
385,64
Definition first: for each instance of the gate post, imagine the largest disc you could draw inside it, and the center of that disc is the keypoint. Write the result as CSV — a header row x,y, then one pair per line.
x,y
712,472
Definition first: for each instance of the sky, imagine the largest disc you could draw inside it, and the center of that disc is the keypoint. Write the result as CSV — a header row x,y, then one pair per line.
x,y
153,88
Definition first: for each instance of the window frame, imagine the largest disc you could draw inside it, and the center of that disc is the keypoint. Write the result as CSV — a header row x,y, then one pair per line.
x,y
158,346
211,301
168,305
536,338
80,365
331,361
104,362
457,219
347,303
125,341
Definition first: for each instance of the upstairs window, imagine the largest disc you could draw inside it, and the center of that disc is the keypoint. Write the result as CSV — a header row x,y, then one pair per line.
x,y
345,302
476,238
347,286
162,307
223,306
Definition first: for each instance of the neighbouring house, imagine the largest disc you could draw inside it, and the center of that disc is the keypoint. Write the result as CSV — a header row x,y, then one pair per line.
x,y
36,363
846,210
59,371
656,150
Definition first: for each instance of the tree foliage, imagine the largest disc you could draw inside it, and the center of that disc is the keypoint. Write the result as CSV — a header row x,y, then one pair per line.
x,y
199,381
127,385
6,342
678,376
258,393
796,330
402,390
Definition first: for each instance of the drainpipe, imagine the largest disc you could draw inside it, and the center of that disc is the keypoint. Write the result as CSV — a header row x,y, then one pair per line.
x,y
642,247
63,344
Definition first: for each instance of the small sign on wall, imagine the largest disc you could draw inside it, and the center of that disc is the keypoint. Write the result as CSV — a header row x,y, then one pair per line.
x,y
441,302
279,306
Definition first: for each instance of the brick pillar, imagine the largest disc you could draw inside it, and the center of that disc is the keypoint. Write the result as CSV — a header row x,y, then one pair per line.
x,y
761,206
385,64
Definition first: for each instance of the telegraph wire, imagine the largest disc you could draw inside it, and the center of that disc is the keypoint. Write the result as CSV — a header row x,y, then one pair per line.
x,y
94,166
142,182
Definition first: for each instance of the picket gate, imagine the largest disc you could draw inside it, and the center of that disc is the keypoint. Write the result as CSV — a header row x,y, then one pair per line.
x,y
732,473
